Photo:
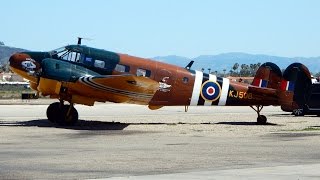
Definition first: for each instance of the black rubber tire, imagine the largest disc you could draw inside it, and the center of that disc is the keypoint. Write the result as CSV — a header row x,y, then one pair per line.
x,y
71,120
262,120
54,112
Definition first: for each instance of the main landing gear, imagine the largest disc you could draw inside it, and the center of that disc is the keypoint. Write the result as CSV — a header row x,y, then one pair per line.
x,y
63,115
261,119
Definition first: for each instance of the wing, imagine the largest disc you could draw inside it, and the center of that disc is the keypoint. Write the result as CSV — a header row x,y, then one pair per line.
x,y
117,88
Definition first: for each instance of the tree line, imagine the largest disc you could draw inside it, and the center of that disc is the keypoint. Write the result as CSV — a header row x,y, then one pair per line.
x,y
243,70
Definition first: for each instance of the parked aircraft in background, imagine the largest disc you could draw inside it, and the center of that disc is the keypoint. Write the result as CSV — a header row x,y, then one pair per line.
x,y
79,74
311,101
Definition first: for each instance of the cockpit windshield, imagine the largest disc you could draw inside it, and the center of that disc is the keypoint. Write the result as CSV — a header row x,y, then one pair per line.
x,y
65,54
58,52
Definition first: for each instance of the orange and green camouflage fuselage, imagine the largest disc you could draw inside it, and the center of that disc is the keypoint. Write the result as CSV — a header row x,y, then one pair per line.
x,y
84,75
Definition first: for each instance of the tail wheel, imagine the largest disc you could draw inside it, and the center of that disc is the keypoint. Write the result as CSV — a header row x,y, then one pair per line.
x,y
261,120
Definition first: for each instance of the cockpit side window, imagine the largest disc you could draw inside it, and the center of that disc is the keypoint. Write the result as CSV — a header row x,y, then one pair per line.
x,y
57,53
70,56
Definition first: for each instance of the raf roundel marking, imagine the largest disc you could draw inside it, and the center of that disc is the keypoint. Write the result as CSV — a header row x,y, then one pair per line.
x,y
210,91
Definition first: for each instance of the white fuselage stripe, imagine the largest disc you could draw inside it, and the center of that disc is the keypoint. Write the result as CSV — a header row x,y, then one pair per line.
x,y
260,83
224,92
214,79
196,89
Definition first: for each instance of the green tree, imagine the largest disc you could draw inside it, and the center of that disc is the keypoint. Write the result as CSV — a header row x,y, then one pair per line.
x,y
245,70
235,67
224,72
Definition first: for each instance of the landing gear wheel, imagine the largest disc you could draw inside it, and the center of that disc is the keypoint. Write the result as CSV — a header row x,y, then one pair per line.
x,y
72,117
54,112
63,115
298,112
261,120
69,116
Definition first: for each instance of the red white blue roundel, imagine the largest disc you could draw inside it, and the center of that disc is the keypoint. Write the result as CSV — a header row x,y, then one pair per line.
x,y
210,91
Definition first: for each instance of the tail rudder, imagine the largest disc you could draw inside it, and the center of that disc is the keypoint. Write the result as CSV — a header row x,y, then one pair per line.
x,y
294,87
268,75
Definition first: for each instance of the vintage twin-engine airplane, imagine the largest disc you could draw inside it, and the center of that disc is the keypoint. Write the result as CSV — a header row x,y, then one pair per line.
x,y
83,75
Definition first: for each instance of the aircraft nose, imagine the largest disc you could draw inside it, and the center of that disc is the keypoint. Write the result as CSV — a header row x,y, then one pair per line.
x,y
23,61
16,60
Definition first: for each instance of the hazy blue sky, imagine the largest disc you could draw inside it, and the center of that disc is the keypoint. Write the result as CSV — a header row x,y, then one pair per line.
x,y
150,28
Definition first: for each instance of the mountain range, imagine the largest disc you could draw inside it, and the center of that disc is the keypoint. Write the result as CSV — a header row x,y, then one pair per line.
x,y
6,52
214,62
227,60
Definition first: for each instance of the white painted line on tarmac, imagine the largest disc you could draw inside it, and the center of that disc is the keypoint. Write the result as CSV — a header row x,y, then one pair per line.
x,y
307,171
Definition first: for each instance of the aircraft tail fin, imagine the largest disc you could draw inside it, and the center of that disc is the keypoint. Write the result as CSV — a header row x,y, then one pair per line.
x,y
267,76
294,87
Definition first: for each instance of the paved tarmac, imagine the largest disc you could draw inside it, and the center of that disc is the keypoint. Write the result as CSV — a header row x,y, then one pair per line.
x,y
121,141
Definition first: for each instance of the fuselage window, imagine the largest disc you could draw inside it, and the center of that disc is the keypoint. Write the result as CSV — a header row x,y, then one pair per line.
x,y
185,80
122,68
99,64
143,72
